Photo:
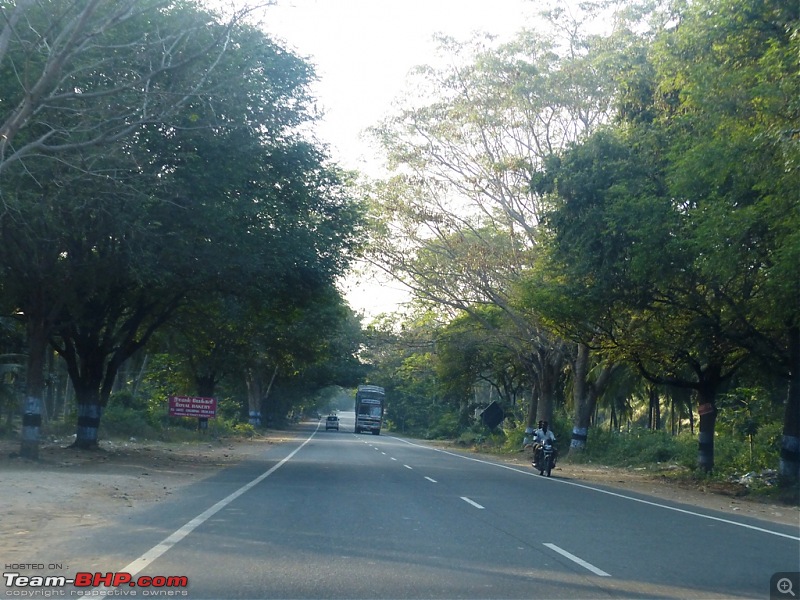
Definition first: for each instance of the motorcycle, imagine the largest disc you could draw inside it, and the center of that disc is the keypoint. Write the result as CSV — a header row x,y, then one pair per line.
x,y
545,458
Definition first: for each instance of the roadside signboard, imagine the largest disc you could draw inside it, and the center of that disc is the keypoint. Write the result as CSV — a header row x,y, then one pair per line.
x,y
192,406
492,415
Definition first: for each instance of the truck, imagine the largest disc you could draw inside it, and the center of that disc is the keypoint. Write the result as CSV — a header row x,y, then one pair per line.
x,y
370,401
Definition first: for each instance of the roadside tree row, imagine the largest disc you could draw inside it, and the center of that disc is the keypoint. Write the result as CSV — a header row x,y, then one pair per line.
x,y
610,207
156,186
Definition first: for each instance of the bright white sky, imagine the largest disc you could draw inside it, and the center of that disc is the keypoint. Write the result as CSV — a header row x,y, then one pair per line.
x,y
363,51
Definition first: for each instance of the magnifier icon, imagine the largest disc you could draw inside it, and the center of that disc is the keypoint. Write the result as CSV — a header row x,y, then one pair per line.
x,y
784,586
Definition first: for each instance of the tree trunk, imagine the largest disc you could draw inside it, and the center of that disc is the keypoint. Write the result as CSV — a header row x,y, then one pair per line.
x,y
89,412
253,382
92,379
206,386
547,390
580,423
31,427
585,394
32,411
269,386
534,406
655,408
789,466
672,414
707,410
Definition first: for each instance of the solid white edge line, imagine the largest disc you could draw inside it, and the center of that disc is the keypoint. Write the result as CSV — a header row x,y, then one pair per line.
x,y
579,561
594,489
468,501
148,557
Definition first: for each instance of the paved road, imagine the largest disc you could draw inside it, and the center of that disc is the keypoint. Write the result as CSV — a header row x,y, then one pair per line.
x,y
339,515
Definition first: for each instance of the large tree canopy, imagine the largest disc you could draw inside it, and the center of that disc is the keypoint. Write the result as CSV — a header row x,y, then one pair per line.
x,y
670,231
223,198
83,74
635,193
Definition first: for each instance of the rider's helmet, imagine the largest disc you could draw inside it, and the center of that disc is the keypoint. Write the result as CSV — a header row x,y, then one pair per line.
x,y
543,425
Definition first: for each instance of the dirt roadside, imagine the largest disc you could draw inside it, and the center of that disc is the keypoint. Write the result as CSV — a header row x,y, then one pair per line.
x,y
68,489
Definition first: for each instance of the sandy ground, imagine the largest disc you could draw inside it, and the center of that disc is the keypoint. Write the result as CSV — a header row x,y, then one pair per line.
x,y
68,489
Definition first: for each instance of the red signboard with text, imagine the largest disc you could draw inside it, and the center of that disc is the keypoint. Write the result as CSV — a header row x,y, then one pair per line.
x,y
192,406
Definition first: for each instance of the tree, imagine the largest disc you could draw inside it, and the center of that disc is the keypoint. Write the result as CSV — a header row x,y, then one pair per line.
x,y
632,260
732,115
78,76
219,201
669,229
471,351
258,341
62,61
462,215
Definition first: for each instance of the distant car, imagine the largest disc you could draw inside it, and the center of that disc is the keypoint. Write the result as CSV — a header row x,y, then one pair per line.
x,y
332,422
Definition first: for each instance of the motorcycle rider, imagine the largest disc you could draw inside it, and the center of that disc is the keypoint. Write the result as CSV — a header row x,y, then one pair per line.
x,y
539,436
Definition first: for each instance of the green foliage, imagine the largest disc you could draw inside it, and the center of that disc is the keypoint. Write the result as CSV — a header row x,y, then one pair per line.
x,y
738,456
119,420
126,399
445,427
745,412
638,448
667,236
244,430
479,438
123,418
229,409
659,450
514,439
217,214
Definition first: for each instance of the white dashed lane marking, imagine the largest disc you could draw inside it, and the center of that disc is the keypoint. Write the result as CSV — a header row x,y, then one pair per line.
x,y
579,561
472,502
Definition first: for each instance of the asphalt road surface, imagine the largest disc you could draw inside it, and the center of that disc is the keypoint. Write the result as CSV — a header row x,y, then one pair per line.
x,y
339,515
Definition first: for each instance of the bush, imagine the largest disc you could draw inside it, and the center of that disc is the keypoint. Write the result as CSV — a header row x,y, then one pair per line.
x,y
118,420
446,427
244,430
634,448
514,438
126,399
